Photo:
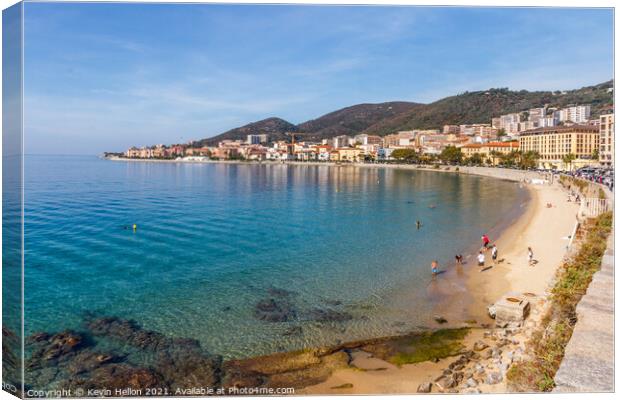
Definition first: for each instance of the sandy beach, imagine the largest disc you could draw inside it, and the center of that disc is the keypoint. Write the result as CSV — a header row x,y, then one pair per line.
x,y
544,229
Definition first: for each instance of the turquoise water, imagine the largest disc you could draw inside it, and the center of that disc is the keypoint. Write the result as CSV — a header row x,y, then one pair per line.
x,y
212,239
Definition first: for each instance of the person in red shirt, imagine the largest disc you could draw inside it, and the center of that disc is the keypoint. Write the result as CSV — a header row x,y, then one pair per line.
x,y
485,241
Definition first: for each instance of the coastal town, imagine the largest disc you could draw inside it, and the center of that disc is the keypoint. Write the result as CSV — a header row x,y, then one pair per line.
x,y
562,139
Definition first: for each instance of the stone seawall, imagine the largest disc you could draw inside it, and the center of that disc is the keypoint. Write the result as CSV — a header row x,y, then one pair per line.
x,y
588,364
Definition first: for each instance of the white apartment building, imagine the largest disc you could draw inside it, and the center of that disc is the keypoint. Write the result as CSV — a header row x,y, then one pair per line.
x,y
606,147
535,114
510,123
341,141
577,114
256,139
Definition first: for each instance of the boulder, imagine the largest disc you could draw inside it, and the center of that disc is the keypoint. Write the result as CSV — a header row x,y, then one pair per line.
x,y
493,378
480,345
425,387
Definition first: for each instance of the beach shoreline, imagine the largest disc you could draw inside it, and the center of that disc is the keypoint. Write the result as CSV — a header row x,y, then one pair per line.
x,y
482,288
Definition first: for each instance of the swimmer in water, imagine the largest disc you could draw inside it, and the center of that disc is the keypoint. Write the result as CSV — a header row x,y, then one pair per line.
x,y
418,224
434,267
135,227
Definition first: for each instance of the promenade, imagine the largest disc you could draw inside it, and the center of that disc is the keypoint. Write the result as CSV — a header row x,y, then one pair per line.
x,y
588,364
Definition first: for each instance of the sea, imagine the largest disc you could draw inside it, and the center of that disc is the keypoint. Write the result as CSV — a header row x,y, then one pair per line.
x,y
340,245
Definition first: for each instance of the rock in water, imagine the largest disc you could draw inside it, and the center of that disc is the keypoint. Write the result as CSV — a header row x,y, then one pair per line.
x,y
271,310
327,315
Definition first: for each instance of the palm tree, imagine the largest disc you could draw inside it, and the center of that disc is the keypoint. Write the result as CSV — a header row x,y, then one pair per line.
x,y
568,159
494,154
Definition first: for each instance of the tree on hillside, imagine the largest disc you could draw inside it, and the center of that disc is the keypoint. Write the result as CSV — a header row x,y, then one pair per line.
x,y
451,155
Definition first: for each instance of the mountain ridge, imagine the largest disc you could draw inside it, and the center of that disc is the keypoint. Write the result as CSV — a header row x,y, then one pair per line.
x,y
388,117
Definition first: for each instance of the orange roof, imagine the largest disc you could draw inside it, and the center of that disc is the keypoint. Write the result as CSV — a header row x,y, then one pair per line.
x,y
502,144
492,144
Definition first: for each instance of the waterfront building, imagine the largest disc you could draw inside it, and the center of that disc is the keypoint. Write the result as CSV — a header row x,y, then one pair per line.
x,y
349,154
554,143
606,146
385,153
132,152
490,150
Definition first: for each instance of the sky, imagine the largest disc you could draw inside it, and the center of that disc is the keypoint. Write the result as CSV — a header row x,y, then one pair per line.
x,y
104,77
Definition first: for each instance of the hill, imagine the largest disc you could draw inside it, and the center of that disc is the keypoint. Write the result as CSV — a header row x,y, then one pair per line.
x,y
481,106
274,127
384,118
353,120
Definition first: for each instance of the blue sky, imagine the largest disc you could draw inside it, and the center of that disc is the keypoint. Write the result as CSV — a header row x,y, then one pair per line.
x,y
107,76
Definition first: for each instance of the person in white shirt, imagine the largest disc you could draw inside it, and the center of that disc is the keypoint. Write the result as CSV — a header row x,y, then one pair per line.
x,y
481,259
530,256
494,253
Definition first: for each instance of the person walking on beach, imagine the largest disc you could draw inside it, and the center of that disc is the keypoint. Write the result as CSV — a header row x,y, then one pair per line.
x,y
485,241
481,259
418,224
434,267
494,253
530,256
459,259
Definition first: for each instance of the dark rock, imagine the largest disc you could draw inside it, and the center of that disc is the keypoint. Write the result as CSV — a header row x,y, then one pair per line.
x,y
328,315
115,376
55,348
184,365
271,310
425,387
129,332
277,292
480,345
88,360
446,383
293,331
37,338
439,319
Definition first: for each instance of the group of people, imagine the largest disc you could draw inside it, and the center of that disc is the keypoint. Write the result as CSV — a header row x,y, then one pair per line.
x,y
486,246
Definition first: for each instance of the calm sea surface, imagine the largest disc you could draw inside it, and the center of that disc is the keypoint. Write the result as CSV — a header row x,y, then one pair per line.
x,y
212,240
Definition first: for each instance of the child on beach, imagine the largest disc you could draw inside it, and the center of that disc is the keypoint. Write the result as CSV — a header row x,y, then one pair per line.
x,y
530,256
435,267
481,259
494,252
459,259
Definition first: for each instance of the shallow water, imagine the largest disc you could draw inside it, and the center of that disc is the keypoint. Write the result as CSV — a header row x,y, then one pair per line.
x,y
212,239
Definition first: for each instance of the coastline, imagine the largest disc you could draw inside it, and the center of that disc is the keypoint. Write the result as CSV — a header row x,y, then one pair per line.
x,y
362,367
